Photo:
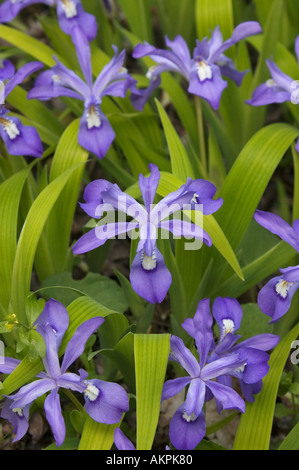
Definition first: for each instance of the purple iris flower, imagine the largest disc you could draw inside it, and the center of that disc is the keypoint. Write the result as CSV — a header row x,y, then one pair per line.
x,y
70,13
149,276
280,88
228,314
187,426
203,71
105,402
275,298
7,69
95,133
19,139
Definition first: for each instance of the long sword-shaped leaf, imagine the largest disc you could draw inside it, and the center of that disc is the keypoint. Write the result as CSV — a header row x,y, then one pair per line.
x,y
212,13
254,430
151,358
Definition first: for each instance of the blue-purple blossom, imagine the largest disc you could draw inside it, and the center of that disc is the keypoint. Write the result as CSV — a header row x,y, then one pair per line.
x,y
70,13
149,275
280,88
105,402
203,71
275,298
210,376
95,132
7,69
18,139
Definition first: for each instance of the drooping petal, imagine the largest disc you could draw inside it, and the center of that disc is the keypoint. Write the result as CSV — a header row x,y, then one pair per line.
x,y
222,366
183,355
150,277
174,386
49,84
123,202
249,390
263,342
106,402
226,397
275,298
256,366
275,224
17,417
228,314
54,416
121,441
149,185
71,14
76,345
207,85
8,364
203,193
268,93
228,69
186,432
72,381
200,328
20,139
95,133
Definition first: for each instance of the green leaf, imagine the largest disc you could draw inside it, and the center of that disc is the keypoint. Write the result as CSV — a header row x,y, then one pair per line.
x,y
138,14
291,442
251,436
180,163
212,13
98,287
97,436
151,358
28,241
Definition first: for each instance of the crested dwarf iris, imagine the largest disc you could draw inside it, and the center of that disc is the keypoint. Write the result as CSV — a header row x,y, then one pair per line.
x,y
203,71
70,13
95,133
18,138
280,88
275,298
149,275
105,402
210,376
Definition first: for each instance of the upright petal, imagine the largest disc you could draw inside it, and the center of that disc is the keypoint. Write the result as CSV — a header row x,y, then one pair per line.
x,y
21,74
183,355
174,386
186,432
200,328
149,185
109,73
76,345
94,205
150,277
54,416
27,394
195,397
83,53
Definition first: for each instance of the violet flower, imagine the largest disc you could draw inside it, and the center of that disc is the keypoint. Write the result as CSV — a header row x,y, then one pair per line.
x,y
149,276
7,69
203,71
70,13
245,360
187,427
105,402
18,139
280,88
228,314
95,133
275,298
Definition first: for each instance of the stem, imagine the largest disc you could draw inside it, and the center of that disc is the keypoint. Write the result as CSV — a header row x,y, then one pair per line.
x,y
201,133
72,397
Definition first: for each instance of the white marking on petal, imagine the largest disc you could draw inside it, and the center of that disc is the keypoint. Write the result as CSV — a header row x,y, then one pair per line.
x,y
93,118
9,127
123,70
271,83
194,199
204,71
56,79
149,262
188,418
228,326
92,392
150,72
282,288
19,411
69,8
